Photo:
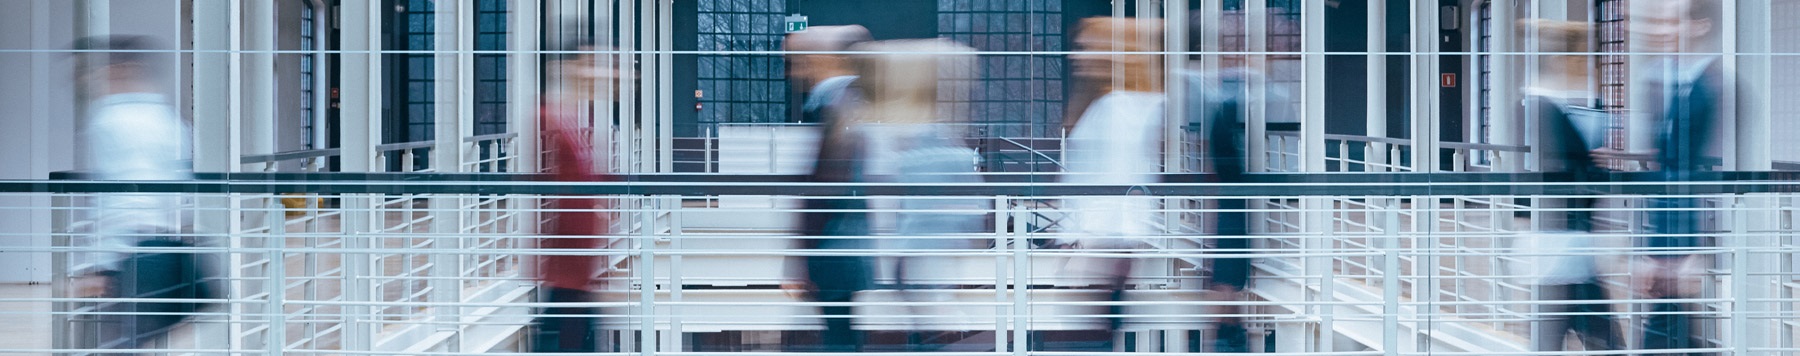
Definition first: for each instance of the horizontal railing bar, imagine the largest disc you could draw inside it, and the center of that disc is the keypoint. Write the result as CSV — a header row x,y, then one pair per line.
x,y
491,137
404,145
291,155
1278,184
1484,146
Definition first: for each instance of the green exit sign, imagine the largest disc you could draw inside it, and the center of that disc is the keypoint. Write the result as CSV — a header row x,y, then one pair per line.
x,y
796,23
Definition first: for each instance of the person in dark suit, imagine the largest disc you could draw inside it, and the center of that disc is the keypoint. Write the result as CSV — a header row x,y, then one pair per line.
x,y
832,224
1690,88
1560,100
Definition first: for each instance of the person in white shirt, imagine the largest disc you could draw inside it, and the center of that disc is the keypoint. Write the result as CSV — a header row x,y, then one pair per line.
x,y
134,134
1115,142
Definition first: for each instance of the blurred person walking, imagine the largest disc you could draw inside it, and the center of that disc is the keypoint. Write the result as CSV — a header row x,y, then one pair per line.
x,y
1116,141
832,224
1569,127
1690,87
901,80
575,224
134,133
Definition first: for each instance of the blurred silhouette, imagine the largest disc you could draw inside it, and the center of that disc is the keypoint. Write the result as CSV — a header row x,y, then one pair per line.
x,y
1216,104
900,81
1116,141
833,224
574,223
134,133
1560,98
1689,85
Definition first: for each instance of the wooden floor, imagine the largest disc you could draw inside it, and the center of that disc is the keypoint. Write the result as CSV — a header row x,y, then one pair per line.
x,y
27,324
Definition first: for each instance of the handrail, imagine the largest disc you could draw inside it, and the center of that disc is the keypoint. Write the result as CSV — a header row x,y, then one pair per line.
x,y
290,155
491,137
1786,166
1339,137
1484,147
1649,156
1253,185
389,147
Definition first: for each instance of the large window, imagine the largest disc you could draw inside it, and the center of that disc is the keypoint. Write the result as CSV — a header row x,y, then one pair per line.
x,y
490,67
1015,95
410,108
741,88
309,117
1484,72
412,73
1610,30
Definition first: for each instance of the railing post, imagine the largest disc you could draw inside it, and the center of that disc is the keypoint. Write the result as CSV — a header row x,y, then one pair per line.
x,y
1020,276
646,272
276,272
63,334
1390,277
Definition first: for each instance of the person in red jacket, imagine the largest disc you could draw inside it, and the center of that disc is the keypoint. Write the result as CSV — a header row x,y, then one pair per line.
x,y
575,223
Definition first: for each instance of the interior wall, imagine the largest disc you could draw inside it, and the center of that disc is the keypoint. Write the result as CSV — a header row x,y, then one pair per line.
x,y
37,127
1785,80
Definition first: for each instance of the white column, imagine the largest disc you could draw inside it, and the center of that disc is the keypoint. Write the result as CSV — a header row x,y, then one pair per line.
x,y
665,83
258,97
1312,101
1256,37
359,132
523,101
1425,86
1747,148
1376,111
1318,222
1752,117
627,90
645,154
1175,42
217,134
1503,102
454,104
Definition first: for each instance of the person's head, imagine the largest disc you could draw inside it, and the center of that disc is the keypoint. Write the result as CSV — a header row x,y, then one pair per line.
x,y
1675,25
118,64
1109,37
1559,38
807,69
900,79
577,67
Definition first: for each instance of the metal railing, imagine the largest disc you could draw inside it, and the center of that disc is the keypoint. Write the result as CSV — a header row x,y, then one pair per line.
x,y
1371,259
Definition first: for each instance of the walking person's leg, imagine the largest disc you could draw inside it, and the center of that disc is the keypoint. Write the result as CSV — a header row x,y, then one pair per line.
x,y
1552,318
1231,275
